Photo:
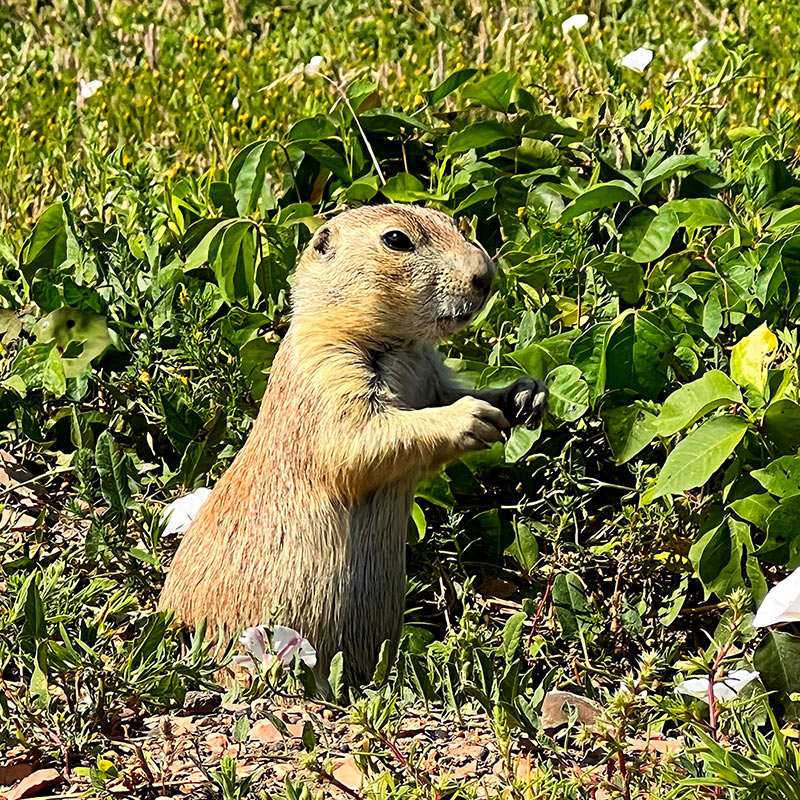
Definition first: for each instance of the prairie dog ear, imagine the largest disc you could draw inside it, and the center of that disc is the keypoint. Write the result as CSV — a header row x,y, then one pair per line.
x,y
322,242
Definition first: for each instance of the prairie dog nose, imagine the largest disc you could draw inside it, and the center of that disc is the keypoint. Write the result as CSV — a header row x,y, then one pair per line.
x,y
483,271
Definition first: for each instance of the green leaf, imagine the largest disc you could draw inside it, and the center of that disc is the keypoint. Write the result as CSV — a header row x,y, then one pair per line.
x,y
417,533
781,425
694,400
716,558
755,508
336,676
382,667
114,469
699,455
66,326
512,635
646,235
39,365
308,737
623,274
782,544
750,358
241,729
780,477
406,188
247,175
46,247
479,134
450,84
699,212
629,429
435,488
669,167
569,393
181,422
778,660
569,599
524,548
602,195
520,443
637,353
493,92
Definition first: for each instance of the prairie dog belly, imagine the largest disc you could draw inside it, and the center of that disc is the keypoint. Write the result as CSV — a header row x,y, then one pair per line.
x,y
377,568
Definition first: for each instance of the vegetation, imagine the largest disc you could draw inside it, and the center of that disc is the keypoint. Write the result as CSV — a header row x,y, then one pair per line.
x,y
646,229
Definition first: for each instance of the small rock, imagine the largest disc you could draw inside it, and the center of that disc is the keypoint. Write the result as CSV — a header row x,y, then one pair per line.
x,y
201,702
553,711
34,783
348,773
265,732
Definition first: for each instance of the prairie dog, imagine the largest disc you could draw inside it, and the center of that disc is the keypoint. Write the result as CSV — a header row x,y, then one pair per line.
x,y
308,526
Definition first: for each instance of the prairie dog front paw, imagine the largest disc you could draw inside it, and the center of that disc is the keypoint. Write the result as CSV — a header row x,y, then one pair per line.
x,y
476,424
526,402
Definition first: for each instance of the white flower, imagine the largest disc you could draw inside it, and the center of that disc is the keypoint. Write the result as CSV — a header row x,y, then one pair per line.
x,y
312,68
235,103
782,603
179,514
637,60
697,50
287,642
726,689
575,22
87,89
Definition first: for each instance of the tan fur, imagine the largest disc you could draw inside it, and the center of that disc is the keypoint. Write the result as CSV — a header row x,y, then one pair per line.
x,y
307,528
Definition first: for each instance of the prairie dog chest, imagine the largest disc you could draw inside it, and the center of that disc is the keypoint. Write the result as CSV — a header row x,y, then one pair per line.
x,y
408,379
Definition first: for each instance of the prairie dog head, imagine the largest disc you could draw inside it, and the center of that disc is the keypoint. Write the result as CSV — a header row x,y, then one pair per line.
x,y
392,273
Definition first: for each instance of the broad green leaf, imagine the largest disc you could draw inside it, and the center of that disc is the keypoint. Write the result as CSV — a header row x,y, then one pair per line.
x,y
750,359
450,84
336,676
435,488
669,167
778,661
646,235
479,134
694,400
65,326
417,533
569,599
524,548
181,422
781,425
326,155
755,508
782,544
629,429
512,635
46,247
624,275
406,188
39,365
247,175
699,455
114,469
520,443
637,355
716,558
569,393
603,195
699,212
780,477
493,92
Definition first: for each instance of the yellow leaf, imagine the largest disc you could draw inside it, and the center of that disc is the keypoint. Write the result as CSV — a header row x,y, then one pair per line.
x,y
751,357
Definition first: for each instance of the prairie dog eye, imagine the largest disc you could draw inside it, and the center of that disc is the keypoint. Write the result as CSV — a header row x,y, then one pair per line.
x,y
398,241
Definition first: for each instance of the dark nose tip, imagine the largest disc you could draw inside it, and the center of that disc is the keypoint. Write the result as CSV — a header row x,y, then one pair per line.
x,y
482,280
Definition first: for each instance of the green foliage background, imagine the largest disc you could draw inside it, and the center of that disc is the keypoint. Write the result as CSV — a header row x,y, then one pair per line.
x,y
647,230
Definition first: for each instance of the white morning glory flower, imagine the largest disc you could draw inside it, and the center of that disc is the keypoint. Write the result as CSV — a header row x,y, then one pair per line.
x,y
575,22
287,642
696,50
87,89
179,514
312,68
638,60
782,603
726,689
